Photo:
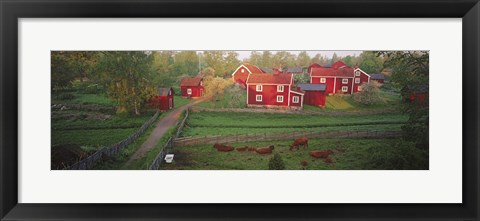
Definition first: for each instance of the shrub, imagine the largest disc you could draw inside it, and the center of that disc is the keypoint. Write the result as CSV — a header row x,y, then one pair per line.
x,y
400,156
370,94
276,163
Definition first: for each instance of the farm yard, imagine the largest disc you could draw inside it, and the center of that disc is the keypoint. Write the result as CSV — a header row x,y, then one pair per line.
x,y
167,110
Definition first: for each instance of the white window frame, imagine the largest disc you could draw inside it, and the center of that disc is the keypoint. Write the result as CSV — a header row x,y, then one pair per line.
x,y
357,80
280,87
295,99
344,88
201,83
357,73
360,88
323,80
189,91
259,88
280,96
345,81
243,70
257,97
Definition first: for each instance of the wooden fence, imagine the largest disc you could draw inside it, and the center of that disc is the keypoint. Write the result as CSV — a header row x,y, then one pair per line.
x,y
196,140
169,145
113,150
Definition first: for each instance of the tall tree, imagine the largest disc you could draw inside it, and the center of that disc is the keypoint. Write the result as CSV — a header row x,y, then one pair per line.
x,y
303,59
335,58
231,62
214,59
127,76
410,70
267,59
61,70
369,62
256,59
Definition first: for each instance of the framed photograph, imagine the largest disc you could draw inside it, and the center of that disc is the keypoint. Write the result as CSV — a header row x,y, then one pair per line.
x,y
321,110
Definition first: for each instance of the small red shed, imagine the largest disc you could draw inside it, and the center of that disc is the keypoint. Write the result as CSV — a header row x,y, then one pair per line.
x,y
163,100
241,74
380,78
192,87
315,94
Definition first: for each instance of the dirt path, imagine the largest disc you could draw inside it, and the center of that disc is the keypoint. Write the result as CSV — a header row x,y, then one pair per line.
x,y
162,126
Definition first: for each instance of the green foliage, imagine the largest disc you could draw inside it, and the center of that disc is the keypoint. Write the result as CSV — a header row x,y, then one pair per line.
x,y
235,96
401,155
370,94
65,96
370,62
301,78
276,163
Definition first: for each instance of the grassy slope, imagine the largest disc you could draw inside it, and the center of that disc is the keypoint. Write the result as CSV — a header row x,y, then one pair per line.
x,y
205,157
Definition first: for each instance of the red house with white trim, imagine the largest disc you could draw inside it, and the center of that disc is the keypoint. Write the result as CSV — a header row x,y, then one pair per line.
x,y
339,78
273,90
192,87
240,75
163,100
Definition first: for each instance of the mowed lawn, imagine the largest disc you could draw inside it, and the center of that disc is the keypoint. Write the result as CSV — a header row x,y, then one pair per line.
x,y
220,123
349,154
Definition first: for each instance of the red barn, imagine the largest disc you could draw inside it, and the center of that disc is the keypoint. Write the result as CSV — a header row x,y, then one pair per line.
x,y
192,87
240,75
163,100
314,65
339,78
315,94
415,93
273,90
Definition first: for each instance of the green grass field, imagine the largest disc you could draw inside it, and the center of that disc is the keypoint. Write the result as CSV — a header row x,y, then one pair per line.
x,y
349,154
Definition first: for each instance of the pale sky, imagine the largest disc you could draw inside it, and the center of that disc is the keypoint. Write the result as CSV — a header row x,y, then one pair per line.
x,y
245,54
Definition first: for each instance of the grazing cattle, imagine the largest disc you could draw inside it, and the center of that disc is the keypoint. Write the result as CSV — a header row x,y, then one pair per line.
x,y
302,141
242,148
266,150
251,149
320,153
223,148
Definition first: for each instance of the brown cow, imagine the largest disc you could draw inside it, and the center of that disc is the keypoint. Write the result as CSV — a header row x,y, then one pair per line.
x,y
242,148
223,148
266,150
320,153
302,141
252,149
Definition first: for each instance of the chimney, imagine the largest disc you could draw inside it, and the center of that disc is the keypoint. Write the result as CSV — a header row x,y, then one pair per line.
x,y
356,65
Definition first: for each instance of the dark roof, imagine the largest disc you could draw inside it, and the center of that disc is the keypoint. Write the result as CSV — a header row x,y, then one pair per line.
x,y
312,87
163,91
267,70
195,81
416,88
327,66
294,70
377,76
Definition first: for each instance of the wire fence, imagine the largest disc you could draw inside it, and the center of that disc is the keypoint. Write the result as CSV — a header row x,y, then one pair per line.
x,y
113,150
240,138
169,145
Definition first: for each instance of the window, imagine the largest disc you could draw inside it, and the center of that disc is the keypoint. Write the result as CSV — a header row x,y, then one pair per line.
x,y
189,91
360,88
170,92
258,98
344,89
345,81
201,83
295,99
357,80
357,73
280,88
243,70
259,87
323,80
279,98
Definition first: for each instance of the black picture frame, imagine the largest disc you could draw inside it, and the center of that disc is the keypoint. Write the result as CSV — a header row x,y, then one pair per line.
x,y
11,11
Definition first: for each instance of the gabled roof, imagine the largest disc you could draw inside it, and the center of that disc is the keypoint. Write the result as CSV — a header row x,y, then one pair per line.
x,y
312,87
331,72
269,79
339,64
163,91
195,81
294,70
377,76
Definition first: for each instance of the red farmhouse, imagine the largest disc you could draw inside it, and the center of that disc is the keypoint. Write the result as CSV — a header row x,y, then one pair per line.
x,y
163,100
273,90
339,78
192,87
315,94
240,75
